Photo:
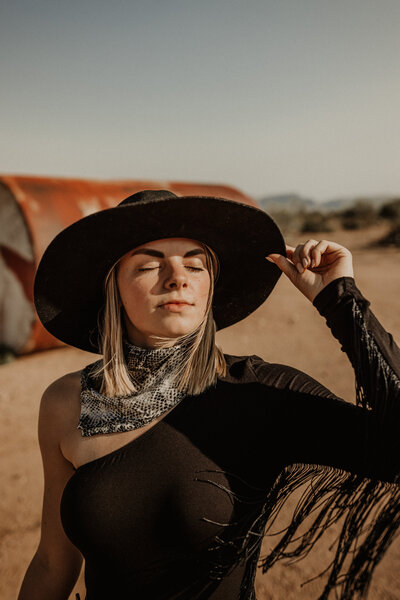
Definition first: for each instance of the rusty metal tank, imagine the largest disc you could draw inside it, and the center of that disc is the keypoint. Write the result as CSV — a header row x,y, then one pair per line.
x,y
32,211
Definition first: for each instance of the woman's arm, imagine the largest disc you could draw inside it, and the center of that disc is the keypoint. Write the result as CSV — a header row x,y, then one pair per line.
x,y
372,351
56,564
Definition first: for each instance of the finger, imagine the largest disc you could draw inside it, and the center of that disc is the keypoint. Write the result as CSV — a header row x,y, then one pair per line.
x,y
297,259
285,265
305,252
289,252
326,247
317,252
302,254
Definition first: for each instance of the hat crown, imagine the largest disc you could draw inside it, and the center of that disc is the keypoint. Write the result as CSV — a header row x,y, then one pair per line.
x,y
148,196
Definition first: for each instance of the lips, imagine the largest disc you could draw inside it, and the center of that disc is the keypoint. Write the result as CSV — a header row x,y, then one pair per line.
x,y
178,302
175,305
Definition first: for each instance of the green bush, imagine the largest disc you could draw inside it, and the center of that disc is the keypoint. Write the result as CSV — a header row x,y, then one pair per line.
x,y
391,210
287,220
392,238
316,221
6,354
361,215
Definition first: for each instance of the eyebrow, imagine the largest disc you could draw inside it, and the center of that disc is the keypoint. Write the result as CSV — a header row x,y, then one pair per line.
x,y
159,254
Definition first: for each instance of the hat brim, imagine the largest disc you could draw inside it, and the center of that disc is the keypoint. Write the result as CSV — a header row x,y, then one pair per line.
x,y
68,289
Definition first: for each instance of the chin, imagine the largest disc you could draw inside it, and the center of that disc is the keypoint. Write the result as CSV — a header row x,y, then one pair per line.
x,y
175,333
178,331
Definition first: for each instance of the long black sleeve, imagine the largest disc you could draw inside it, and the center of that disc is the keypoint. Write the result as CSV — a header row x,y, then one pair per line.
x,y
350,319
376,361
317,427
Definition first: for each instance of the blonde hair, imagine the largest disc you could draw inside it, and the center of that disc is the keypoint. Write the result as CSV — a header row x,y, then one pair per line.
x,y
203,360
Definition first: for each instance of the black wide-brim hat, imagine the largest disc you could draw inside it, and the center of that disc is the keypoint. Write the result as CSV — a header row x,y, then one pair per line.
x,y
69,282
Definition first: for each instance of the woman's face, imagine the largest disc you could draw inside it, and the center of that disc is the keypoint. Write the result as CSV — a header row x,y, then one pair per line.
x,y
152,277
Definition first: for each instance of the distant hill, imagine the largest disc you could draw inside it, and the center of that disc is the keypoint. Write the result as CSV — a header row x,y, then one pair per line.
x,y
288,202
293,203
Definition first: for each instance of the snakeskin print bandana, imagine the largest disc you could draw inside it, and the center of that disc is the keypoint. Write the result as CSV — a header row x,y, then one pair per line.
x,y
151,371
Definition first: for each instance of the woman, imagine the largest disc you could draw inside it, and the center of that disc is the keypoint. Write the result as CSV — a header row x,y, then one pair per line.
x,y
166,461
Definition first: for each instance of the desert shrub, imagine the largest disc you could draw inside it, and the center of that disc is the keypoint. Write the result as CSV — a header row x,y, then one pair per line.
x,y
295,221
315,221
392,238
6,354
287,220
391,210
361,215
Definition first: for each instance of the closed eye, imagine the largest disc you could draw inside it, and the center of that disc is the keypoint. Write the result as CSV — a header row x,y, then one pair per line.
x,y
188,267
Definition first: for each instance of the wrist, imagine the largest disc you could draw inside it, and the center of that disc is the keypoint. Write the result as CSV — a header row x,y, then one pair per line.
x,y
333,291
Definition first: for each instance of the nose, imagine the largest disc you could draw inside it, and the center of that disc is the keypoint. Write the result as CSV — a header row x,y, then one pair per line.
x,y
176,277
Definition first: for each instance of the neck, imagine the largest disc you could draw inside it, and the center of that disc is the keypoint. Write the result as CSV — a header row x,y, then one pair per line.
x,y
149,344
145,340
132,352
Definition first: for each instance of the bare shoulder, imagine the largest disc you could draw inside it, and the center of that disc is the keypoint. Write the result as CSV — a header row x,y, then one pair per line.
x,y
60,406
63,386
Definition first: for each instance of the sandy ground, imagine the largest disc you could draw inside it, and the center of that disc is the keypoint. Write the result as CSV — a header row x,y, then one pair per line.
x,y
285,329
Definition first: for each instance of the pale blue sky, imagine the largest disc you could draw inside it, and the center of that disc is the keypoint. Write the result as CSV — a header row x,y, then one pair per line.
x,y
272,97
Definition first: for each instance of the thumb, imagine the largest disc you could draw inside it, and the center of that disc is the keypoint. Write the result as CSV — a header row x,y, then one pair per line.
x,y
284,264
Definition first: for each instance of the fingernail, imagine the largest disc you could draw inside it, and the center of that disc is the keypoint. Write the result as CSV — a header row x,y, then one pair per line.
x,y
270,259
312,263
305,263
299,267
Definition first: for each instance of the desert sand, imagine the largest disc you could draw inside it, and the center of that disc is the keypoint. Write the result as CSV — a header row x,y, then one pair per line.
x,y
286,329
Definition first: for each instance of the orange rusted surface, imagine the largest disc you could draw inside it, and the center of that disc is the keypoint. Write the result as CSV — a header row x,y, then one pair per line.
x,y
50,204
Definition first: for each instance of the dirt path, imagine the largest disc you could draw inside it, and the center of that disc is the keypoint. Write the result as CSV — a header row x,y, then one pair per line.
x,y
286,329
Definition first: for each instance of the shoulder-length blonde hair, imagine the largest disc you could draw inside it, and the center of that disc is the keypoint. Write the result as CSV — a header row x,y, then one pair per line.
x,y
203,360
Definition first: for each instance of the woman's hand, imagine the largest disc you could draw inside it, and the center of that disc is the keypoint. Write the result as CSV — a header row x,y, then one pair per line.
x,y
312,265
